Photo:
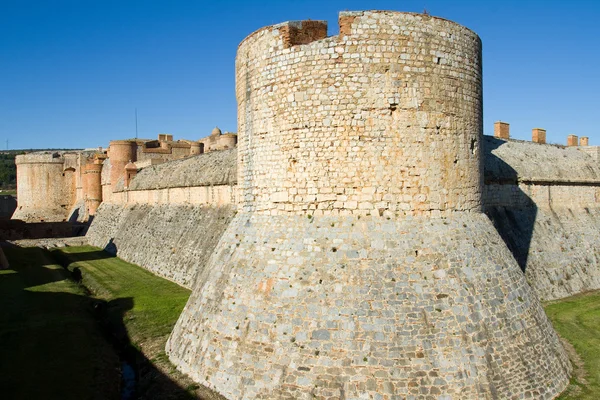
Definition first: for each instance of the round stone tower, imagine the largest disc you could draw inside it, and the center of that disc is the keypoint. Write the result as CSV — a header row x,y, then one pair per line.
x,y
385,118
93,186
120,152
360,263
45,188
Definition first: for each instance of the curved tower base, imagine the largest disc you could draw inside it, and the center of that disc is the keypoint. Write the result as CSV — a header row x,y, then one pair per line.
x,y
350,307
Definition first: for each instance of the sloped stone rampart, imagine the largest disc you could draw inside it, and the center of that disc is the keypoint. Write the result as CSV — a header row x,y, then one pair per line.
x,y
512,160
340,307
558,248
545,202
209,169
172,241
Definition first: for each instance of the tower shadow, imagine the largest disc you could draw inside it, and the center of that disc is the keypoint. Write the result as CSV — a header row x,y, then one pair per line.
x,y
511,210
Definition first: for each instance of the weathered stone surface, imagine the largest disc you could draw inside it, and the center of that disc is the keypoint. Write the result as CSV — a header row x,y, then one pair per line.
x,y
295,307
558,248
49,184
526,161
385,119
545,202
173,241
208,169
360,265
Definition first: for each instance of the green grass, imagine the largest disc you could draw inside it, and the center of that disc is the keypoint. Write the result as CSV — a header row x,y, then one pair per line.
x,y
155,302
56,343
577,319
50,345
12,192
144,306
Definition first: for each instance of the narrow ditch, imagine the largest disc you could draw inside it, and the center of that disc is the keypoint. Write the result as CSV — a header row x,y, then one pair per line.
x,y
109,316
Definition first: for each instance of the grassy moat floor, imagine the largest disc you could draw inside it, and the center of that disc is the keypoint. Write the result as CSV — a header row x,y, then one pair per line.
x,y
64,340
577,321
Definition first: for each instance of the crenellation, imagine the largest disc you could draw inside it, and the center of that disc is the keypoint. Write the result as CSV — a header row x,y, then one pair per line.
x,y
74,184
372,104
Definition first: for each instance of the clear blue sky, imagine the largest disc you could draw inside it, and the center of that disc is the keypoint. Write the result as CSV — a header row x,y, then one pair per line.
x,y
72,72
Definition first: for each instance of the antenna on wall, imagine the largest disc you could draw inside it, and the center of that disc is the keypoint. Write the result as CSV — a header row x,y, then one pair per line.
x,y
136,132
6,144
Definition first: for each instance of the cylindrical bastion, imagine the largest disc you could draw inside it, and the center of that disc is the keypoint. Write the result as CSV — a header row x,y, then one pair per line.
x,y
44,189
385,118
93,186
359,265
120,152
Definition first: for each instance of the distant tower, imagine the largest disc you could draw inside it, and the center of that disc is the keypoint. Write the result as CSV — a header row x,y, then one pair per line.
x,y
120,153
93,185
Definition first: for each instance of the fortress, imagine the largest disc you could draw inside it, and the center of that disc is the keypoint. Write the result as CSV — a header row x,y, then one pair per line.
x,y
56,186
363,239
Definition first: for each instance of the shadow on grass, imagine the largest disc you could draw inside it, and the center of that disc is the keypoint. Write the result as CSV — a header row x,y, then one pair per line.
x,y
56,342
65,261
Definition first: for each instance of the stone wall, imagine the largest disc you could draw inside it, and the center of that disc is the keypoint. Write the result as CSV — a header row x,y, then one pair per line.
x,y
51,185
384,119
46,186
173,215
342,307
172,241
359,263
545,202
209,169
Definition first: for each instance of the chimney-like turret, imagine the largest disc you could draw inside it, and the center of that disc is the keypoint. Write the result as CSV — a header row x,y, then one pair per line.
x,y
572,140
130,173
538,135
501,130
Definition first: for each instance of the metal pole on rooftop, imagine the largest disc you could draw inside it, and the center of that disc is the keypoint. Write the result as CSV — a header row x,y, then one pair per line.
x,y
136,131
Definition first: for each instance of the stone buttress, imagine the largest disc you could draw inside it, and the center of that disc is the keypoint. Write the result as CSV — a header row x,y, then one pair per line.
x,y
359,264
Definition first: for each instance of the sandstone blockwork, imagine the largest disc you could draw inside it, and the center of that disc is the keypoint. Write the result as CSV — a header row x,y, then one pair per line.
x,y
171,240
71,185
360,264
384,119
49,185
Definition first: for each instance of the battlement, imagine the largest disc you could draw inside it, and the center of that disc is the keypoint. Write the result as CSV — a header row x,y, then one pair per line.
x,y
217,141
393,74
538,135
43,157
302,32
